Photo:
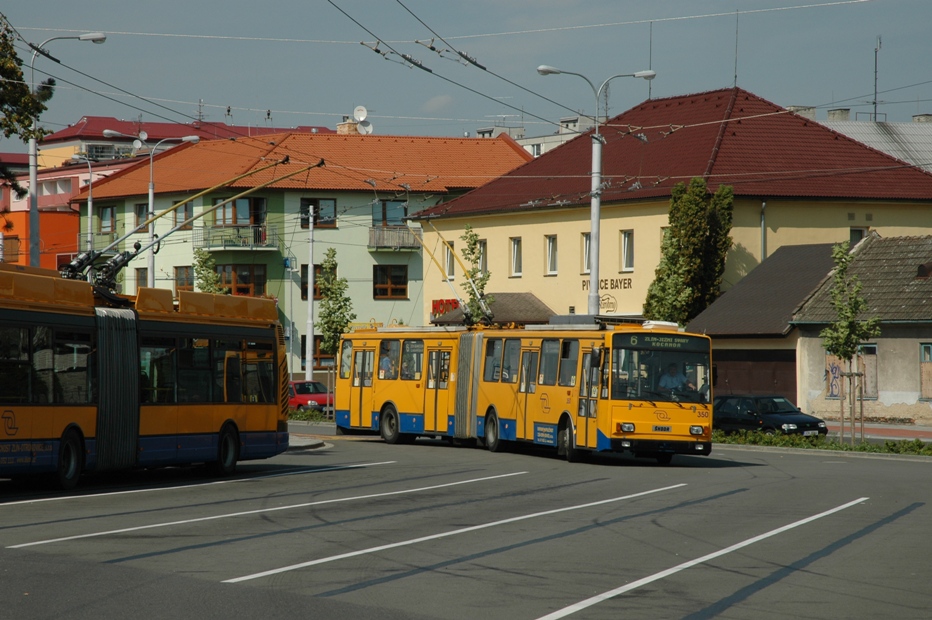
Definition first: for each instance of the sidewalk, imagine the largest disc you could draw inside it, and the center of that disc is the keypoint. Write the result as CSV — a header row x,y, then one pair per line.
x,y
893,432
305,435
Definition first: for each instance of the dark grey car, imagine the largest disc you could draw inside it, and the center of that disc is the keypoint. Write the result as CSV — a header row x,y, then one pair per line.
x,y
765,413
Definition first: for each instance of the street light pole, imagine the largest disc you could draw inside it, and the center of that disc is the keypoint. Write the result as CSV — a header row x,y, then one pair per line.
x,y
34,254
596,191
109,133
90,207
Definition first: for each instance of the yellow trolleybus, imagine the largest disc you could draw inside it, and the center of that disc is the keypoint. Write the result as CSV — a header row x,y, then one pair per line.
x,y
93,381
638,388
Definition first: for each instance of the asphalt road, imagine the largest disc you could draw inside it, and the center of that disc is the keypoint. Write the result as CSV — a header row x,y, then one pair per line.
x,y
359,529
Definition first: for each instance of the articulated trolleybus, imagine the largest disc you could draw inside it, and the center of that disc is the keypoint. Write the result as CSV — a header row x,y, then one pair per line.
x,y
94,381
638,388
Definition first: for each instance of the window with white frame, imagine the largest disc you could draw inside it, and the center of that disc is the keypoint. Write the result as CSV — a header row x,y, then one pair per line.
x,y
586,250
183,213
141,209
515,256
449,260
627,250
550,241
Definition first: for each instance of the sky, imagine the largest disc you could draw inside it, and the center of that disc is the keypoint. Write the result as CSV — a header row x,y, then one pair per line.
x,y
286,63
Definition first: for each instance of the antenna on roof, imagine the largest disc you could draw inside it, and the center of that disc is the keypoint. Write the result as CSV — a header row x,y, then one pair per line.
x,y
876,53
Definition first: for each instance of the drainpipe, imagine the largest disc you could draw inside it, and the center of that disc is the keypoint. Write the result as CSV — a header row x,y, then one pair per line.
x,y
763,230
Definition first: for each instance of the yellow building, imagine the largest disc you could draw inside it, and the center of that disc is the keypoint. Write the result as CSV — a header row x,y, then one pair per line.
x,y
795,182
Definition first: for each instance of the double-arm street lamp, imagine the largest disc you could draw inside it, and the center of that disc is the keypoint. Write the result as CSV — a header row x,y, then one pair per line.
x,y
94,37
109,133
596,195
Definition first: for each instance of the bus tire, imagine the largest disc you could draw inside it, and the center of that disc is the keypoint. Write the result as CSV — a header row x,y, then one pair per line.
x,y
493,439
568,443
390,426
70,460
227,451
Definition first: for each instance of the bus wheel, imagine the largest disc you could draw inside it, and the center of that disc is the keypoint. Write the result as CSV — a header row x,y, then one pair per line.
x,y
664,458
70,461
227,451
568,443
493,440
389,426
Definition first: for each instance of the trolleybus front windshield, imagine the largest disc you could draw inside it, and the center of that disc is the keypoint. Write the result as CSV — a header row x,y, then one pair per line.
x,y
660,366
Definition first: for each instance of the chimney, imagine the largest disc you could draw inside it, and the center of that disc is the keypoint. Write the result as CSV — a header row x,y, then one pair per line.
x,y
348,128
806,111
922,118
839,114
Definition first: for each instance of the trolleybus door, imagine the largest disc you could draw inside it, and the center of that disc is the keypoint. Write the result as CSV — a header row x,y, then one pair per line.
x,y
360,404
437,391
587,421
528,404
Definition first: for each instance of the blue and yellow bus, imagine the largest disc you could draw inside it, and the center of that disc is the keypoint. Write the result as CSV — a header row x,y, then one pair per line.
x,y
642,388
94,381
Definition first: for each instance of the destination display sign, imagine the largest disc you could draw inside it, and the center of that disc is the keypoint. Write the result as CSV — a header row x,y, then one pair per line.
x,y
661,342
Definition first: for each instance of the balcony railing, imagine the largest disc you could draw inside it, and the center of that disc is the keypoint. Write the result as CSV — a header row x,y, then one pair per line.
x,y
394,238
99,240
260,237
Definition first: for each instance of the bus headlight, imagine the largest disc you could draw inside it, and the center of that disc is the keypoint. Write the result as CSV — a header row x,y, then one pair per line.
x,y
696,430
627,427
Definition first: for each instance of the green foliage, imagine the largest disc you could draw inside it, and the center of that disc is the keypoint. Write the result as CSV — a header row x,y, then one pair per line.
x,y
689,275
310,415
206,278
336,308
18,105
757,438
843,337
472,254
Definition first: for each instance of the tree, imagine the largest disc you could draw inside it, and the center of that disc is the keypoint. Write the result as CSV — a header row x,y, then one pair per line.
x,y
693,251
19,106
336,308
844,336
477,301
206,277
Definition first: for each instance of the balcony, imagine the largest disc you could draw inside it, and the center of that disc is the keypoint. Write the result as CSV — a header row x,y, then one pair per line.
x,y
217,238
99,240
394,238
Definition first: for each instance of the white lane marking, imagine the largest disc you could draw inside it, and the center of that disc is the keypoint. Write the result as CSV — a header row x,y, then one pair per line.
x,y
413,541
566,611
259,511
294,472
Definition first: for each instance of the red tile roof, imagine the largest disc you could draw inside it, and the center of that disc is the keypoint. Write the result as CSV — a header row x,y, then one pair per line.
x,y
92,127
351,163
728,136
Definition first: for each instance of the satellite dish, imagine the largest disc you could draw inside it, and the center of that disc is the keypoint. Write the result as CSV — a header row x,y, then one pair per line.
x,y
360,113
143,136
364,127
137,144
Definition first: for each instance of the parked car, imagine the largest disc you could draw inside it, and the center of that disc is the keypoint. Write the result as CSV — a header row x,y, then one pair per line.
x,y
765,413
305,395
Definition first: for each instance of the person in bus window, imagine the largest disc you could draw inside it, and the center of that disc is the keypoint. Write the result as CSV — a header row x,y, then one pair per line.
x,y
386,366
673,379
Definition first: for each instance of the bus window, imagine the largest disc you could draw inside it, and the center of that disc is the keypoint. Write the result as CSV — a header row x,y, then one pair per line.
x,y
412,360
72,377
549,362
194,376
42,361
492,370
14,365
157,365
388,359
227,371
510,361
346,358
569,356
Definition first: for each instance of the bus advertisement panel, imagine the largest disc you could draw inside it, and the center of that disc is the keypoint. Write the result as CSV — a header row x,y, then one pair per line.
x,y
643,389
